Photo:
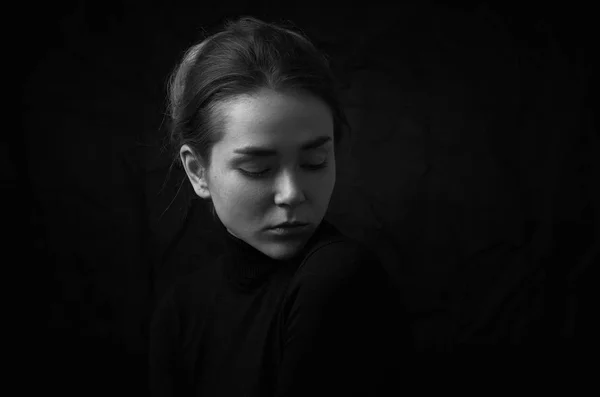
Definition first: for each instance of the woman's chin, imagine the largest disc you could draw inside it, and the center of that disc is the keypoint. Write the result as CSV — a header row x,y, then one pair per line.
x,y
282,250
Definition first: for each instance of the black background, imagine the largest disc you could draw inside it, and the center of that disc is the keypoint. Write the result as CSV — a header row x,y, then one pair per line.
x,y
491,234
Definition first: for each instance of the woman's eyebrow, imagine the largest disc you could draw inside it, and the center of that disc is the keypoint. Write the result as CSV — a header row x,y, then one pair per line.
x,y
266,152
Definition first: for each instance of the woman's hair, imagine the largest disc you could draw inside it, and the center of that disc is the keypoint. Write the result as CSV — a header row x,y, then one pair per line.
x,y
241,59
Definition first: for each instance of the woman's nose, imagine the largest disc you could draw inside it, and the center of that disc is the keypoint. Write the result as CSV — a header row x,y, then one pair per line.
x,y
289,190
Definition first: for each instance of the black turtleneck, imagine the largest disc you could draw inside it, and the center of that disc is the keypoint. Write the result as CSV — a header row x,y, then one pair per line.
x,y
245,267
319,324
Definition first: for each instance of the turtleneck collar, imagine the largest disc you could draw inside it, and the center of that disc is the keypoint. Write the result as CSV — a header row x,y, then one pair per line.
x,y
246,267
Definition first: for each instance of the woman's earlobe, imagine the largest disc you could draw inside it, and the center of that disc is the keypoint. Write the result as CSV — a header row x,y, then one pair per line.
x,y
198,178
201,190
196,175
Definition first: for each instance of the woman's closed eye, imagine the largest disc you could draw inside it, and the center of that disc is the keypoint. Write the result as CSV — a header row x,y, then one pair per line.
x,y
310,167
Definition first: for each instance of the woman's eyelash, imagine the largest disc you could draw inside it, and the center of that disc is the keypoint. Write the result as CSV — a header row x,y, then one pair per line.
x,y
261,173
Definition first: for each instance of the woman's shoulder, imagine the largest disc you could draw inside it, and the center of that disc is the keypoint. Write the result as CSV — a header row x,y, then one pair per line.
x,y
337,255
337,268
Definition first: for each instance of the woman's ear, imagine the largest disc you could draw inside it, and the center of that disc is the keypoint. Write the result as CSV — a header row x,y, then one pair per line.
x,y
195,171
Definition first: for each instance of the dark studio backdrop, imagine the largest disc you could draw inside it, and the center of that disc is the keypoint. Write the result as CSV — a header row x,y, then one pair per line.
x,y
473,173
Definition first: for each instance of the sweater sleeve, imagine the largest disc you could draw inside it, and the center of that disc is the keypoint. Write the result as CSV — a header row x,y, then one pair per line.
x,y
334,338
164,329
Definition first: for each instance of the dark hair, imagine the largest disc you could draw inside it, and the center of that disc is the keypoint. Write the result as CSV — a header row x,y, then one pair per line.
x,y
244,57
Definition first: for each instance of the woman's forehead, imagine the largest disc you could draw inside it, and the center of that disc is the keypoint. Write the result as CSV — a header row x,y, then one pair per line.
x,y
273,119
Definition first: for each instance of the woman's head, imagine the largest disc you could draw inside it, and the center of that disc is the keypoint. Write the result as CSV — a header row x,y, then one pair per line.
x,y
260,86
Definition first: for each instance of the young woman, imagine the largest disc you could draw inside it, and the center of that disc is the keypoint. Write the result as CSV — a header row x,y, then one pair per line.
x,y
292,307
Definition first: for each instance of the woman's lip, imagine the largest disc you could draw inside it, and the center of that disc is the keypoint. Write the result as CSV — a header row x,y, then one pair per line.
x,y
289,226
289,231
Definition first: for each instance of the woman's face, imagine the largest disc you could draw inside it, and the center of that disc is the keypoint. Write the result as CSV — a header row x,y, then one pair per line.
x,y
275,163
